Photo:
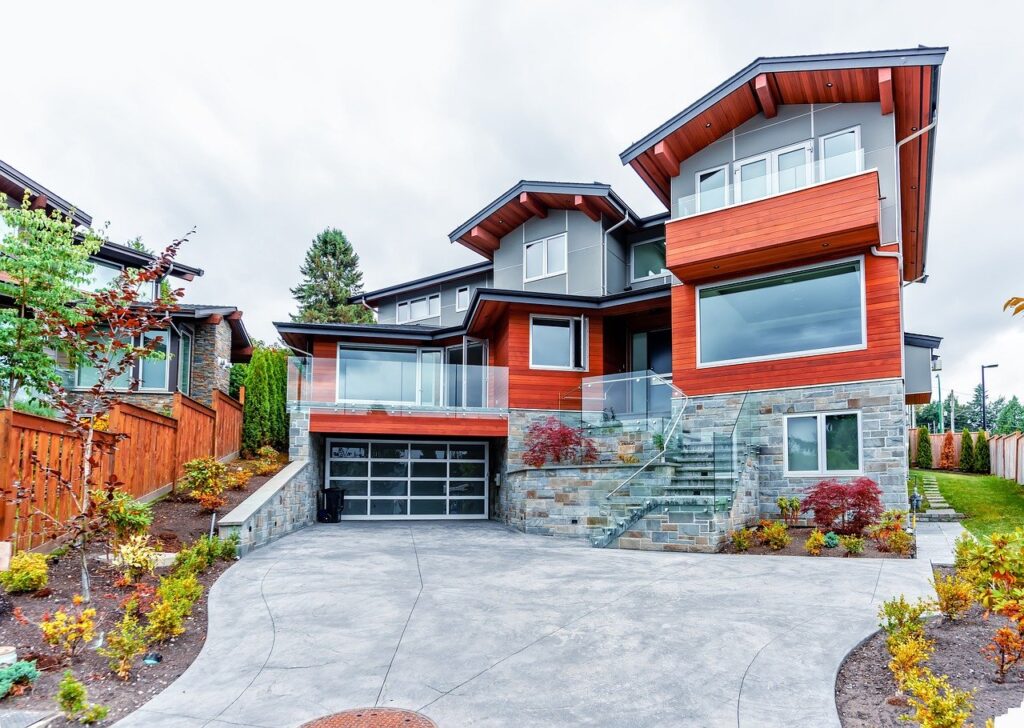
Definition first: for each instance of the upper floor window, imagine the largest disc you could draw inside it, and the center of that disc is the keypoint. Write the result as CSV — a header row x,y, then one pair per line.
x,y
712,189
840,154
558,342
648,260
811,310
417,309
782,170
103,275
543,258
462,298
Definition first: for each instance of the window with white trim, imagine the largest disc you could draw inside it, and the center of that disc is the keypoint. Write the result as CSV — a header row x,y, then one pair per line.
x,y
416,309
774,172
648,260
840,154
712,188
543,258
462,298
826,443
558,342
154,371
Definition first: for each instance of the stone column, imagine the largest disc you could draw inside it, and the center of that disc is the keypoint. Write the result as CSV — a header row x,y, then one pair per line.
x,y
212,347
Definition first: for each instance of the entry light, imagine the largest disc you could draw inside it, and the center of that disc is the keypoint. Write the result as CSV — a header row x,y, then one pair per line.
x,y
828,84
707,125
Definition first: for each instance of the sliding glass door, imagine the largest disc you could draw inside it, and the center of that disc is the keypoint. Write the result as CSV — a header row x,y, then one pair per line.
x,y
466,374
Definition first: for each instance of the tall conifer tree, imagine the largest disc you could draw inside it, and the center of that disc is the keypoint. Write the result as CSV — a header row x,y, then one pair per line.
x,y
331,276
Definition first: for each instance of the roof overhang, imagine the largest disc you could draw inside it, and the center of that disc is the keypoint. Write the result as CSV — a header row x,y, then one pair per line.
x,y
922,340
371,297
241,343
14,184
526,199
125,255
904,82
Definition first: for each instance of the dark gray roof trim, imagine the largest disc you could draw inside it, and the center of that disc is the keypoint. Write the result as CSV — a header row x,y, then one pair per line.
x,y
59,203
125,255
920,56
596,189
923,340
450,275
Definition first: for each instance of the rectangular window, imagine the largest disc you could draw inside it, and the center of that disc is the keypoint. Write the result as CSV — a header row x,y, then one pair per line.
x,y
799,312
649,260
371,375
712,190
102,275
417,309
87,376
775,172
823,444
752,181
841,154
185,363
154,372
462,298
557,342
543,258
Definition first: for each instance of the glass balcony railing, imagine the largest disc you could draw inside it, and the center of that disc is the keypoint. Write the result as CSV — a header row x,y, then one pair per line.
x,y
396,382
776,173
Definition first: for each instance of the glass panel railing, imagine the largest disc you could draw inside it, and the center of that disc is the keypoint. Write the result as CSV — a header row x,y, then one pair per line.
x,y
628,401
419,384
776,173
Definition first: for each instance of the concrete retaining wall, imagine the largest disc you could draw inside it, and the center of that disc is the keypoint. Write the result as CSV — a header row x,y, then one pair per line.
x,y
285,503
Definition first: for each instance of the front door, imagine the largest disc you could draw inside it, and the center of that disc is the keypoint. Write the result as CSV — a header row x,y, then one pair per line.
x,y
652,350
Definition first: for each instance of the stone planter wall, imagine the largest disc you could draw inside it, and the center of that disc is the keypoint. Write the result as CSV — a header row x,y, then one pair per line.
x,y
282,505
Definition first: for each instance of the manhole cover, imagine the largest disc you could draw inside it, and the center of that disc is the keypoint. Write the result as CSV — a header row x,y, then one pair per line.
x,y
373,718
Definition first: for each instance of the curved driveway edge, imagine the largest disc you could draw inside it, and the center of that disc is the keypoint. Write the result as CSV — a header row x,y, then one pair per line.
x,y
474,624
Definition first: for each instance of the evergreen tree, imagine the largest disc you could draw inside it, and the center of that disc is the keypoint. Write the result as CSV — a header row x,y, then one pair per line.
x,y
236,379
972,410
278,400
982,457
924,447
256,410
331,276
947,457
966,451
1010,419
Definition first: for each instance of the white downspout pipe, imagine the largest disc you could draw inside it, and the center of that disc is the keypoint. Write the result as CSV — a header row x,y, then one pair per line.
x,y
604,249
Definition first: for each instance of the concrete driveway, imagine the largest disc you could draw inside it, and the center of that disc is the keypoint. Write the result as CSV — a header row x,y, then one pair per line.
x,y
476,625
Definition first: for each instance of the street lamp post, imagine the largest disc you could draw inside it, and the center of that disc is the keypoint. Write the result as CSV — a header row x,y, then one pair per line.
x,y
984,407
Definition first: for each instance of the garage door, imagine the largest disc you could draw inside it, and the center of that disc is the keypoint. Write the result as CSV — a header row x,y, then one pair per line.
x,y
389,479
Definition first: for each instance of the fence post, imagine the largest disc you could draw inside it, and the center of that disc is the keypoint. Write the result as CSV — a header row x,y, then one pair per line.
x,y
215,402
5,472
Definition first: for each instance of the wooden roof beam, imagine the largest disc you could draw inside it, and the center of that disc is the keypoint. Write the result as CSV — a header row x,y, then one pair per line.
x,y
534,205
39,203
581,203
667,160
885,94
765,96
484,239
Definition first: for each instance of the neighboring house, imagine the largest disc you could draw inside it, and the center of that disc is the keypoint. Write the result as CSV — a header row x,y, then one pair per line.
x,y
767,301
199,346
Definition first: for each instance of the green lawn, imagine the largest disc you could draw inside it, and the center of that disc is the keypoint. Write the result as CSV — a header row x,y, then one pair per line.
x,y
991,504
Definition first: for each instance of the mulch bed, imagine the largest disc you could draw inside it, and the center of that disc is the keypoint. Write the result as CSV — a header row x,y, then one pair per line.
x,y
866,693
799,534
176,522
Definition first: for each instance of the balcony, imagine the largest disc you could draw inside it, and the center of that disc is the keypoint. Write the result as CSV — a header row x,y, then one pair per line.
x,y
393,391
782,217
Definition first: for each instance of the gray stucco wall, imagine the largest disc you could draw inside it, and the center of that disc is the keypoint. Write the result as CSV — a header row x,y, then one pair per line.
x,y
387,311
584,240
796,123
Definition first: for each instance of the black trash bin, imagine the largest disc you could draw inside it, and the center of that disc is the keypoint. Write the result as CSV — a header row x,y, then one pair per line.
x,y
333,505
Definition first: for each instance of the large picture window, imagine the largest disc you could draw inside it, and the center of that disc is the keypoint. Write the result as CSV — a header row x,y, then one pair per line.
x,y
543,258
557,342
823,444
648,260
796,313
376,375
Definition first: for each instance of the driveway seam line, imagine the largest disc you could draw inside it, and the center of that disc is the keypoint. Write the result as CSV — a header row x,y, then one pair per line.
x,y
878,579
543,637
408,619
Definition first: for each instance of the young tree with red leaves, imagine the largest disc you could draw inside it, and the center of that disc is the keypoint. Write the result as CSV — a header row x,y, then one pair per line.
x,y
846,508
109,337
553,440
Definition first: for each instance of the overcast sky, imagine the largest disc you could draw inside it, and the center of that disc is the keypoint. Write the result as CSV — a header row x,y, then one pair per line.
x,y
396,122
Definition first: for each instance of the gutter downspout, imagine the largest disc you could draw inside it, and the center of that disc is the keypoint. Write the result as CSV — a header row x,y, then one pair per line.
x,y
604,248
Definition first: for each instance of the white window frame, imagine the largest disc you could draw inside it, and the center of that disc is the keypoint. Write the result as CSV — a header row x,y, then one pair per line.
x,y
584,343
165,335
408,308
696,186
544,259
856,148
789,355
737,187
458,291
632,261
822,457
385,347
771,158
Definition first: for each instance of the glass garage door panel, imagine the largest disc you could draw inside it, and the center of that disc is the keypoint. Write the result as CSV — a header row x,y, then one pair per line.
x,y
395,479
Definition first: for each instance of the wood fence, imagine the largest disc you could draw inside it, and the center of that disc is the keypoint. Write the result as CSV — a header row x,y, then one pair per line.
x,y
1008,456
149,459
937,439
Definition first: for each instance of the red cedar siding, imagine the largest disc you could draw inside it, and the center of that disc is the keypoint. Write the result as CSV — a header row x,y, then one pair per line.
x,y
883,357
412,425
840,216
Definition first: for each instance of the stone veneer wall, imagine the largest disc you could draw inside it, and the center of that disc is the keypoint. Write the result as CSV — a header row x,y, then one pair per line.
x,y
883,432
212,342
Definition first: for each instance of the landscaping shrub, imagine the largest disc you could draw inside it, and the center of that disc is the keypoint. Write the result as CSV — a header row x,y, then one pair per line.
x,y
900,542
947,456
237,479
966,451
27,572
789,509
936,703
204,476
924,448
831,540
135,556
774,535
69,631
889,524
268,453
208,502
844,507
982,456
125,643
742,539
551,439
907,659
264,413
902,620
122,514
953,595
16,677
72,699
1005,650
200,555
852,545
176,596
815,543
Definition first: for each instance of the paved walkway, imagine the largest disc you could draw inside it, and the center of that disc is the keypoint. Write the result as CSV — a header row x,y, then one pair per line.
x,y
476,625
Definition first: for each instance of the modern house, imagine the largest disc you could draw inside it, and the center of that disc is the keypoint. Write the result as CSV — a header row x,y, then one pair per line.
x,y
199,346
743,344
